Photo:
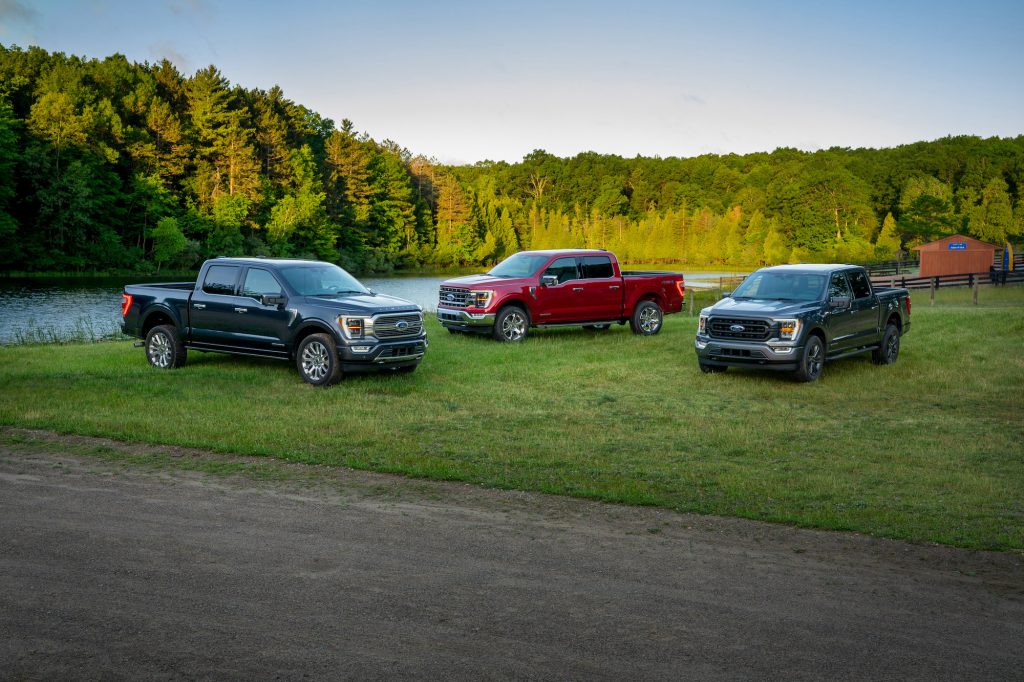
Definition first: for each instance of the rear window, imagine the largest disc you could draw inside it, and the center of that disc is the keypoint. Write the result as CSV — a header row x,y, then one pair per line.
x,y
220,279
861,286
597,267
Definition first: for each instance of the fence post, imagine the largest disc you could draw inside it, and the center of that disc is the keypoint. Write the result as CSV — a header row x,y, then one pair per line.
x,y
691,303
976,291
931,292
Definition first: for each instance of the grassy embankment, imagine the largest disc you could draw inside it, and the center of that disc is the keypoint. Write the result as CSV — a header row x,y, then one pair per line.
x,y
927,450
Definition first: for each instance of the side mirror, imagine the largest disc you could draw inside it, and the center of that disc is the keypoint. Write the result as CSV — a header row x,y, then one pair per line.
x,y
548,280
839,302
272,299
726,294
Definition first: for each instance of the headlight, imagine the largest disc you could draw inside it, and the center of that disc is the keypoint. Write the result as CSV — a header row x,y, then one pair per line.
x,y
702,324
481,299
355,327
788,329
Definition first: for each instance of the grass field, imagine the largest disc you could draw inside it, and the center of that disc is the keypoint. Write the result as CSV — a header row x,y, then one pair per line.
x,y
930,449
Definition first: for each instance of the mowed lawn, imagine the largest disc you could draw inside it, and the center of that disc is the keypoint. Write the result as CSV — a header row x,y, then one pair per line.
x,y
930,449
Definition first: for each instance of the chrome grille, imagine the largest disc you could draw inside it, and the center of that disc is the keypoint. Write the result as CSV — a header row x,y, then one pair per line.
x,y
727,328
452,297
398,326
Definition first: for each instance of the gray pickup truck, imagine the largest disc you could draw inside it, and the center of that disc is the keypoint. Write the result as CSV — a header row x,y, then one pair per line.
x,y
796,317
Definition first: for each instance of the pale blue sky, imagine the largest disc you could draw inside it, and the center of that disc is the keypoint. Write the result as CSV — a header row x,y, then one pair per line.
x,y
467,81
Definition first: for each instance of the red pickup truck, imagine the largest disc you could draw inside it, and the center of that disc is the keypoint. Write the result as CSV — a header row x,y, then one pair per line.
x,y
558,288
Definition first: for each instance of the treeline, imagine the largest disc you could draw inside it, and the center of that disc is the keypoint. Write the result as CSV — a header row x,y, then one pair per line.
x,y
108,164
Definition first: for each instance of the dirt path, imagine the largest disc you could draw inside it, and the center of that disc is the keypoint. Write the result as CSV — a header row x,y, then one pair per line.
x,y
149,570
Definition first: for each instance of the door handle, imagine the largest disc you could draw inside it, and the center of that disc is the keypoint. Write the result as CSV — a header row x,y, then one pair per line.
x,y
614,286
577,288
199,306
241,310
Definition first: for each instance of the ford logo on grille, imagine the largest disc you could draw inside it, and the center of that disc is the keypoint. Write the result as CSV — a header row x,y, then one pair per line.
x,y
737,328
402,324
450,297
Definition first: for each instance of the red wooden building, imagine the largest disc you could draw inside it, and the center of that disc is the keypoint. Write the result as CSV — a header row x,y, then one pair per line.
x,y
956,255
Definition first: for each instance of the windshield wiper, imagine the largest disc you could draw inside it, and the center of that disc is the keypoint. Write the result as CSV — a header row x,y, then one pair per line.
x,y
342,292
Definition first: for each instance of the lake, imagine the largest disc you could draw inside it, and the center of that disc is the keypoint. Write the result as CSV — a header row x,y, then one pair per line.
x,y
53,309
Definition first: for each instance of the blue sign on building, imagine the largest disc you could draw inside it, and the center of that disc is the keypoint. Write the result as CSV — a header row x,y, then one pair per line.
x,y
957,246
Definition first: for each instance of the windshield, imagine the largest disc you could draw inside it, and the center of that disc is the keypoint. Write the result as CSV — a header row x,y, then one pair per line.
x,y
321,279
520,265
782,286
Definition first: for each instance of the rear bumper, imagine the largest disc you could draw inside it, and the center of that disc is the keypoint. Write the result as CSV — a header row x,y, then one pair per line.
x,y
461,320
375,355
776,356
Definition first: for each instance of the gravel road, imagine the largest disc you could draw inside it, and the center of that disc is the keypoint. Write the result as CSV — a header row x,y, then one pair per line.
x,y
148,569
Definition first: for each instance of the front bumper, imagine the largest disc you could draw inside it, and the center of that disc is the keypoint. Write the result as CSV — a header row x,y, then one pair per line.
x,y
371,354
781,356
462,320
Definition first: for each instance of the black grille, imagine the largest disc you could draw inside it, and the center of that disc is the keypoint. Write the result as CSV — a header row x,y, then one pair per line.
x,y
401,351
451,297
397,326
739,328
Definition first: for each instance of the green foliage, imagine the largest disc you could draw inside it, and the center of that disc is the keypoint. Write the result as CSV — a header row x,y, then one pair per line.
x,y
168,241
94,153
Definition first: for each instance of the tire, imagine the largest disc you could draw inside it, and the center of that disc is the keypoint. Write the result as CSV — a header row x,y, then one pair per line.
x,y
711,369
812,360
647,318
597,327
511,325
889,351
164,348
317,360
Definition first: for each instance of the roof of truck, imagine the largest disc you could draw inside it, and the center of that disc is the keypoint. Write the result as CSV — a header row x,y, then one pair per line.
x,y
811,267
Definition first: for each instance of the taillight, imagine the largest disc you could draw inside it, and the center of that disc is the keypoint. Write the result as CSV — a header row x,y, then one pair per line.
x,y
126,303
681,286
908,305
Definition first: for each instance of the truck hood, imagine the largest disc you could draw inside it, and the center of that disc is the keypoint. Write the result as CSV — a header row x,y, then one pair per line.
x,y
363,304
762,307
469,281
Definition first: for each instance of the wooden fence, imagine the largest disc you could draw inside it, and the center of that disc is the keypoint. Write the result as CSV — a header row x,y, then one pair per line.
x,y
966,280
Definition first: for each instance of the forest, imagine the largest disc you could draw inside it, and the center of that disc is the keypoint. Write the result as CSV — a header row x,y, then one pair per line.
x,y
108,165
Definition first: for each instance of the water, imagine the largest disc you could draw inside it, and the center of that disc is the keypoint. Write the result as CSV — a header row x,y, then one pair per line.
x,y
53,310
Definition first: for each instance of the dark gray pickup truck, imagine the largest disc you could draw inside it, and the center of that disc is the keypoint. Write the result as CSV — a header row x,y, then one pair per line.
x,y
309,312
796,317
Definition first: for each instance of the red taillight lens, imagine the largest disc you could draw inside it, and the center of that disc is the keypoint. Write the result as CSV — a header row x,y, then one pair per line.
x,y
126,303
908,305
681,286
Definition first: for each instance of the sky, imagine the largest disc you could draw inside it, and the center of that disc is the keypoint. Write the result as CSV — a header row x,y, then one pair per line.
x,y
469,81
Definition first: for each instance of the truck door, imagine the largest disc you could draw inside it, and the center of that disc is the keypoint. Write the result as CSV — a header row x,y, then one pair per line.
x,y
863,310
558,302
839,320
212,308
263,328
602,290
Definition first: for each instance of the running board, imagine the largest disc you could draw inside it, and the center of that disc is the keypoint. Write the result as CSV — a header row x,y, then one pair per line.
x,y
858,351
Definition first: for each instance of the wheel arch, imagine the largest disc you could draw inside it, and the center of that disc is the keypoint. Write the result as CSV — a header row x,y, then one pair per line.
x,y
156,317
307,328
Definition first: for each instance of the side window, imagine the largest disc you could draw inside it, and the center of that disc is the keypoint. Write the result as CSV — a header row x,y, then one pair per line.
x,y
861,285
597,267
220,279
838,286
564,269
259,282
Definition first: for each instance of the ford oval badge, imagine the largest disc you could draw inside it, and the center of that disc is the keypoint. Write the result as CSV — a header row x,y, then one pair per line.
x,y
450,297
402,324
737,328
